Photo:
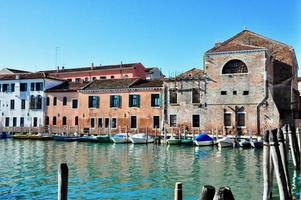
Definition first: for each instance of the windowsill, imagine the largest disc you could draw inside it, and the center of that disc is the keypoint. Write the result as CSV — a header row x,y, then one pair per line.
x,y
155,106
241,126
227,126
174,104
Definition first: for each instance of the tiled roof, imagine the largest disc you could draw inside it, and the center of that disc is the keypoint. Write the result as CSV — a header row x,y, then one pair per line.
x,y
16,70
67,86
147,83
110,84
37,75
192,73
236,47
104,67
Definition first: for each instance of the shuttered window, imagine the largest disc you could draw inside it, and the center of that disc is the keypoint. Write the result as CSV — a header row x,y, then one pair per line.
x,y
93,101
241,119
134,100
227,119
115,101
155,100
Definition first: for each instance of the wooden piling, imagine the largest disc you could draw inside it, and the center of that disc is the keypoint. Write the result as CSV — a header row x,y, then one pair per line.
x,y
178,191
283,155
224,193
279,172
63,181
207,193
292,146
266,167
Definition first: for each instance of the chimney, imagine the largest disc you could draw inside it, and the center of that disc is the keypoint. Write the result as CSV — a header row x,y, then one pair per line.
x,y
17,77
63,67
57,68
92,65
217,44
121,64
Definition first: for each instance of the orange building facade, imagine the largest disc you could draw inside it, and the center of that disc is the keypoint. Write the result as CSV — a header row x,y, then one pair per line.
x,y
106,106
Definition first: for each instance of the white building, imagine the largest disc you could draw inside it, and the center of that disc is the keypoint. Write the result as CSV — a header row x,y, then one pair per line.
x,y
22,99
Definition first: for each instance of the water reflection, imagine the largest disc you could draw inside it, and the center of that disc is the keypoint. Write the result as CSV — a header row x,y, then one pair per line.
x,y
109,171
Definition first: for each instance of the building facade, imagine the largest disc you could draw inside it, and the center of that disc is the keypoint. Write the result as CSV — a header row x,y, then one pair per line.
x,y
22,100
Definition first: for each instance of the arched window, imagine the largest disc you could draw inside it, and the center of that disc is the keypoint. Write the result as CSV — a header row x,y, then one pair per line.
x,y
76,121
235,66
64,101
47,101
54,121
54,101
47,121
39,102
32,102
64,121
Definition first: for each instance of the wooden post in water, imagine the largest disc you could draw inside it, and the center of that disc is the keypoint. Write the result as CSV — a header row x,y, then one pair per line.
x,y
283,155
280,175
63,182
266,166
292,146
146,135
207,193
224,193
178,191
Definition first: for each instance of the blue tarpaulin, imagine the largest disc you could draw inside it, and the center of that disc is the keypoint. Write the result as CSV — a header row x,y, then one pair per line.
x,y
203,137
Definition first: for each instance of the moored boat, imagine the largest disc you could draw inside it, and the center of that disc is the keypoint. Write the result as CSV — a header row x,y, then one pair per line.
x,y
187,142
141,138
245,143
121,138
225,142
4,135
32,137
66,138
204,140
256,143
173,141
100,139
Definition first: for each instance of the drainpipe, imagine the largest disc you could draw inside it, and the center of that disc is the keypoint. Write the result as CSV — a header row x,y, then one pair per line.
x,y
264,98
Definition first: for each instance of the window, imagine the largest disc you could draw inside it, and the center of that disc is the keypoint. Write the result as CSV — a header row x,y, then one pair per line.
x,y
245,93
14,121
23,87
5,88
69,79
86,79
6,121
112,77
39,102
74,103
227,119
92,122
103,77
107,122
76,121
54,121
64,101
155,100
47,121
114,123
21,121
54,101
223,92
47,101
173,96
77,80
241,119
195,95
12,104
12,87
32,86
32,102
39,86
235,66
195,120
94,78
134,100
234,92
35,122
99,125
173,120
23,101
93,101
156,122
133,122
64,121
115,101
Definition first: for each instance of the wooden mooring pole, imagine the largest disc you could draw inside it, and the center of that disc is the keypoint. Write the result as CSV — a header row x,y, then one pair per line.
x,y
224,193
207,193
178,191
62,182
266,167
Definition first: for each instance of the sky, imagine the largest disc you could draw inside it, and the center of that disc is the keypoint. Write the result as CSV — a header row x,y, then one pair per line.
x,y
171,34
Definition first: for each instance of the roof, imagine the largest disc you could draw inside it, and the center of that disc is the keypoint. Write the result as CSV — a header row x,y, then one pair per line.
x,y
192,73
103,67
247,39
36,75
67,86
15,70
122,84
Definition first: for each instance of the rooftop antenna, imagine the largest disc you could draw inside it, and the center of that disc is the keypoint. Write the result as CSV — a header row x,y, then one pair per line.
x,y
245,28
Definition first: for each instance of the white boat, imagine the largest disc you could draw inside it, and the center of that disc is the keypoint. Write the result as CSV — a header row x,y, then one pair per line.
x,y
225,142
141,138
120,138
204,140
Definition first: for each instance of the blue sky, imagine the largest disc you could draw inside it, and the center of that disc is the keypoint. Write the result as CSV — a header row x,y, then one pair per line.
x,y
172,35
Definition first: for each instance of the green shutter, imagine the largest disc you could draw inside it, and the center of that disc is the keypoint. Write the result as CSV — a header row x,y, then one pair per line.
x,y
111,100
119,101
130,100
159,96
97,102
138,100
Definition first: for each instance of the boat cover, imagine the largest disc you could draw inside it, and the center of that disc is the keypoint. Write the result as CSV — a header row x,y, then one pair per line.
x,y
203,137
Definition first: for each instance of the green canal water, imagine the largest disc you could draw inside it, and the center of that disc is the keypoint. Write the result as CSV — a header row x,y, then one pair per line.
x,y
28,170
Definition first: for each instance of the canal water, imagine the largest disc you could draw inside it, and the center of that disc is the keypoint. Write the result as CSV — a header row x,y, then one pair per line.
x,y
28,170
